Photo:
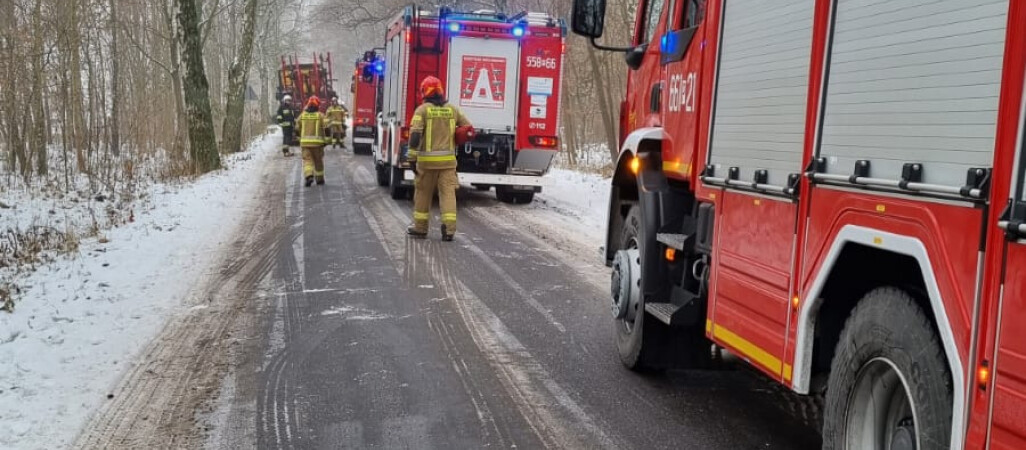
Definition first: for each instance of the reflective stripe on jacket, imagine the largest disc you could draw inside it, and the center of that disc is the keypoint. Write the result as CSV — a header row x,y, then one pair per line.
x,y
311,129
286,118
437,149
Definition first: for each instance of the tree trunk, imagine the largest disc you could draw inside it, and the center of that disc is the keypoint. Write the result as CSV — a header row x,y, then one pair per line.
x,y
605,109
237,80
115,123
176,85
69,43
202,144
39,141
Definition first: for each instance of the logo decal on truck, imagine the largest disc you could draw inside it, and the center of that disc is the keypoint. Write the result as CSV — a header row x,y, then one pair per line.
x,y
483,82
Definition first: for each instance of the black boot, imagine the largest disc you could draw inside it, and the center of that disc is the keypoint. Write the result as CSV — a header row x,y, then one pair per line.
x,y
446,235
309,181
414,233
320,181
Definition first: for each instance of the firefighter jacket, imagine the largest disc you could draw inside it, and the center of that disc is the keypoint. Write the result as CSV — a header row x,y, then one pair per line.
x,y
436,121
311,129
286,116
336,115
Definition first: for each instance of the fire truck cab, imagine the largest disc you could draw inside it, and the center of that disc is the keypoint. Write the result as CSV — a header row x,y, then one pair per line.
x,y
832,190
503,72
366,100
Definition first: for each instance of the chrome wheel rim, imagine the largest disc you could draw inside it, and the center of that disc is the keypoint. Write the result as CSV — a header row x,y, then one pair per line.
x,y
881,413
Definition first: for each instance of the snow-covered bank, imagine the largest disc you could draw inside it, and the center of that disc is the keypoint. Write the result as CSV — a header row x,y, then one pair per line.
x,y
80,322
582,198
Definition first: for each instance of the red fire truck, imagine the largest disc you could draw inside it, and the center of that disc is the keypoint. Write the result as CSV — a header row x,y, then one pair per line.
x,y
834,191
504,73
366,100
304,80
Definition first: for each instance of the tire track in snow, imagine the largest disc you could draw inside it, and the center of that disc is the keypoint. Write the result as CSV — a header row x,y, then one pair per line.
x,y
180,372
551,413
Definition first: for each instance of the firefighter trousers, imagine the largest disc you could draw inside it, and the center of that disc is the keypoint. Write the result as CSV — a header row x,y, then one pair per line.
x,y
286,138
338,135
313,161
427,181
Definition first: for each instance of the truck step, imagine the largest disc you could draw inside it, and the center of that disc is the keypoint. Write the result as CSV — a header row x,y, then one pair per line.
x,y
674,240
662,311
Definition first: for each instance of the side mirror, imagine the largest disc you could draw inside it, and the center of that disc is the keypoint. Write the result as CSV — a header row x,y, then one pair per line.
x,y
634,57
589,18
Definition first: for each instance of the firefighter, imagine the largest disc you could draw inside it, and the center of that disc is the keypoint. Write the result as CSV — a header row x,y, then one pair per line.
x,y
336,120
432,155
287,122
312,127
345,118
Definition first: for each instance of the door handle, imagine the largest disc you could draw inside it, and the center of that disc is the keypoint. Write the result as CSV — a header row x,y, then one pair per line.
x,y
1013,220
655,97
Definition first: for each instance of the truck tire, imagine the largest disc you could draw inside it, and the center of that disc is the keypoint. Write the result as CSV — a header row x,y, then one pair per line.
x,y
640,341
395,185
382,173
506,194
889,384
523,198
503,194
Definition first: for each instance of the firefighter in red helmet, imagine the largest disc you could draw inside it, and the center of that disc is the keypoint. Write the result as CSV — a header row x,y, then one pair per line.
x,y
312,135
432,154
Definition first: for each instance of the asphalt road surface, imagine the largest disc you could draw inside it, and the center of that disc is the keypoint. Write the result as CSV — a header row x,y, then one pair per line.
x,y
330,329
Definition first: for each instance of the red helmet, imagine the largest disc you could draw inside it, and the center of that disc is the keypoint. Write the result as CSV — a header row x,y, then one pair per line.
x,y
314,101
464,134
431,86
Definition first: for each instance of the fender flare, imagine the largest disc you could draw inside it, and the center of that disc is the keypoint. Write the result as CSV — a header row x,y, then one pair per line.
x,y
631,145
637,137
900,244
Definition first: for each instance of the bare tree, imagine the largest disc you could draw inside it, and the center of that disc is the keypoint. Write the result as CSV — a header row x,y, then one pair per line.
x,y
203,144
237,78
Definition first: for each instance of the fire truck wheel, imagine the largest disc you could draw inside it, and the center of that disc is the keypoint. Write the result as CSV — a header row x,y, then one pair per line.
x,y
503,194
523,198
889,385
640,340
382,173
395,186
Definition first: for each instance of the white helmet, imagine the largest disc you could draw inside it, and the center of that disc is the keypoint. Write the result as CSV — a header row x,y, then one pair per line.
x,y
286,98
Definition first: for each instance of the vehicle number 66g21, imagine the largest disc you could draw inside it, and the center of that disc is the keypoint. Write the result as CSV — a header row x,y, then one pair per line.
x,y
682,92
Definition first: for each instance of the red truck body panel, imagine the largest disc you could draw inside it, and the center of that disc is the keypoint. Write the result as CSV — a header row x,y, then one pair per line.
x,y
772,253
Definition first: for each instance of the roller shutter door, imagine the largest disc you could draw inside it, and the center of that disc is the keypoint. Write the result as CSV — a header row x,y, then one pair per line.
x,y
914,81
761,94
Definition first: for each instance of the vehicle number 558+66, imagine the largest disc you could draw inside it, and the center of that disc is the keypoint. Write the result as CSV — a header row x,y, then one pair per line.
x,y
537,62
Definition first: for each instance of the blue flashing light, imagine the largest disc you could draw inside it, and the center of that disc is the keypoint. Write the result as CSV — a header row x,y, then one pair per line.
x,y
454,27
670,43
379,67
518,30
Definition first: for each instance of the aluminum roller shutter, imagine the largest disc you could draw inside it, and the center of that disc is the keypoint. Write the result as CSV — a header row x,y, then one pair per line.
x,y
914,81
763,77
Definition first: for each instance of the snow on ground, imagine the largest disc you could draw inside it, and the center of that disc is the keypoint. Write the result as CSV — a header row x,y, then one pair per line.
x,y
581,199
80,322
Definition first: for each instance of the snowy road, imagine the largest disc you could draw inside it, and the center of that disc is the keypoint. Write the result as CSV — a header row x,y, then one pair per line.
x,y
333,330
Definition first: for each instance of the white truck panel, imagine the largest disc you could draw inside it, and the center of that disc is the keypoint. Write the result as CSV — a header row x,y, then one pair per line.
x,y
762,88
914,85
483,77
